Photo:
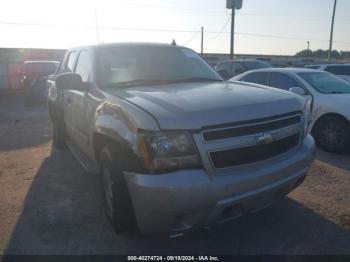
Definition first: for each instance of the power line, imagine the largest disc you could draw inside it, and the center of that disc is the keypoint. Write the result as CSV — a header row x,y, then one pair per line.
x,y
283,15
342,18
94,27
280,37
224,27
193,37
164,30
287,37
173,8
47,25
222,12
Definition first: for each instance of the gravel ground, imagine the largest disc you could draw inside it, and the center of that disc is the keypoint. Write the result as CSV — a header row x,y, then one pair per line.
x,y
49,205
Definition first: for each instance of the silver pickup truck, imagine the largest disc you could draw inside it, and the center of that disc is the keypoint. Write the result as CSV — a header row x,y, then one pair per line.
x,y
176,146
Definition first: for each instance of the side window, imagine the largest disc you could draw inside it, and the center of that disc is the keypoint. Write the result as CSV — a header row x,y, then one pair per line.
x,y
347,70
70,61
312,67
338,70
83,67
257,78
225,66
282,81
237,68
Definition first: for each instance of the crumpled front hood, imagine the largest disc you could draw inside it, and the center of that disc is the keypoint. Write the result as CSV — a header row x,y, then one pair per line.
x,y
196,105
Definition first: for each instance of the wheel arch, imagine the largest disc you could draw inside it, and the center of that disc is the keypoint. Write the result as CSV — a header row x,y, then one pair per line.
x,y
324,116
128,156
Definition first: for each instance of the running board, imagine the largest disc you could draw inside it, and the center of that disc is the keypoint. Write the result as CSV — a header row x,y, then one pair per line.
x,y
84,161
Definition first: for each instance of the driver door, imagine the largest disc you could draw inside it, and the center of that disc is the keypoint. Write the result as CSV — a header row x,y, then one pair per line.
x,y
80,120
67,94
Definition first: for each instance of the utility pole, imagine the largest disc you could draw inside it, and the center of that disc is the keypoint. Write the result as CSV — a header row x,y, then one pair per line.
x,y
202,38
308,48
232,33
233,5
332,27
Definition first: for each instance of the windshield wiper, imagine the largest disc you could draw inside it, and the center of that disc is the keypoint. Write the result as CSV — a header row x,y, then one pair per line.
x,y
197,79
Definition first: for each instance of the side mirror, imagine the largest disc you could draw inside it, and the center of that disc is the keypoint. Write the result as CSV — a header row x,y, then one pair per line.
x,y
69,81
298,90
224,74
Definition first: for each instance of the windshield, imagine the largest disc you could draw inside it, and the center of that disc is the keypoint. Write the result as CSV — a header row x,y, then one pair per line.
x,y
141,65
251,65
326,83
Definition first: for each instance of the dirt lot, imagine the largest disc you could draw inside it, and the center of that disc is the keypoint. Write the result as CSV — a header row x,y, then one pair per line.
x,y
49,205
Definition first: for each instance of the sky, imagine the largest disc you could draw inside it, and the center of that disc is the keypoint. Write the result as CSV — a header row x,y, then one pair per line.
x,y
278,27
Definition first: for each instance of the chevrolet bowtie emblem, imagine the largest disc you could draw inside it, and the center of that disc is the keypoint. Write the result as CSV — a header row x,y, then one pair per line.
x,y
264,139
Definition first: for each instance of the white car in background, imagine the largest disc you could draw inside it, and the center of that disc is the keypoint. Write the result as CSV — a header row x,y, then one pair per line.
x,y
341,70
330,118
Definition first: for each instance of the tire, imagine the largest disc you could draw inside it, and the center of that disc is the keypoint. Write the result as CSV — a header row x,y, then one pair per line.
x,y
333,134
117,202
59,140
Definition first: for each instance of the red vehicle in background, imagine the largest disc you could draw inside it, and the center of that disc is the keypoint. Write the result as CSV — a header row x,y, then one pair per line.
x,y
33,79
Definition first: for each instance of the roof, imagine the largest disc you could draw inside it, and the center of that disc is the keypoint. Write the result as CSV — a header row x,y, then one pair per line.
x,y
286,70
330,65
245,60
136,44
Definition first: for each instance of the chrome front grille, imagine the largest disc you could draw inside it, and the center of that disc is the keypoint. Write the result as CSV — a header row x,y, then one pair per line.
x,y
240,156
249,129
246,143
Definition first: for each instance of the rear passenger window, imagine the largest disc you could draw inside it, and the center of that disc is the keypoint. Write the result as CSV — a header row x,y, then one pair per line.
x,y
283,81
338,70
84,66
257,78
70,62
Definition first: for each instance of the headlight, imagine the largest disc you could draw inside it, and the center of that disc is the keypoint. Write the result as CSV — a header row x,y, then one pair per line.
x,y
166,151
307,114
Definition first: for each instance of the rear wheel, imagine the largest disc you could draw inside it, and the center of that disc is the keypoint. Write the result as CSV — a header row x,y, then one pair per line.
x,y
333,134
117,200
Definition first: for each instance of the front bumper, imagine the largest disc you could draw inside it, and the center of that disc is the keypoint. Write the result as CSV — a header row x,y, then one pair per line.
x,y
175,202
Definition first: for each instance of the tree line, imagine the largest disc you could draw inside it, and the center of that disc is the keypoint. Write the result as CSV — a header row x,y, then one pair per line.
x,y
341,55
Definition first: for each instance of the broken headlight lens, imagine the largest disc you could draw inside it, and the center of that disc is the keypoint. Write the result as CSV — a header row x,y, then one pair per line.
x,y
167,151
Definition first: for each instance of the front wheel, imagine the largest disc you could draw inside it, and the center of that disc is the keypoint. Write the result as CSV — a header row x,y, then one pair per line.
x,y
333,134
117,200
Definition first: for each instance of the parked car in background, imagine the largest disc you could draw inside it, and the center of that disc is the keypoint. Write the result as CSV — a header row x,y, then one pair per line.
x,y
341,70
330,118
176,146
230,68
33,79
